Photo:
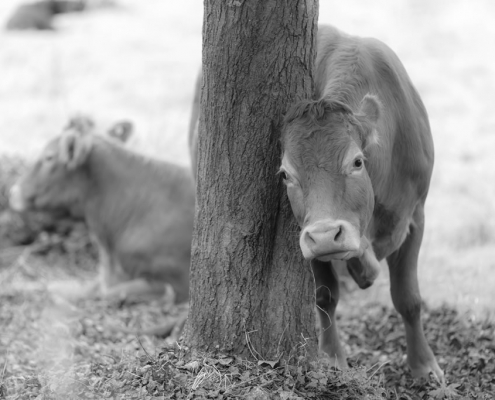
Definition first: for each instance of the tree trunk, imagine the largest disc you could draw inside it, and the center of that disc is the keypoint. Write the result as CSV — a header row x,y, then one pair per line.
x,y
251,293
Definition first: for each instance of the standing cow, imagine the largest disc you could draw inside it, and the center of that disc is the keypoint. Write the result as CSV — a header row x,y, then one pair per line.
x,y
140,211
357,161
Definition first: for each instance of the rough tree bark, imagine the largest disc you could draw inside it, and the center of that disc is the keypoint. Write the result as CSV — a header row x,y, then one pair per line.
x,y
251,293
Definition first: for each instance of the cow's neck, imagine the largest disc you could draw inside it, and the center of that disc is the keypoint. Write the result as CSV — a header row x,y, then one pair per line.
x,y
396,194
395,188
108,164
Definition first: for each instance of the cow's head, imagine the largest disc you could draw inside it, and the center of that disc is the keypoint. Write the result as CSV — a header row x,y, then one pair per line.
x,y
57,178
325,145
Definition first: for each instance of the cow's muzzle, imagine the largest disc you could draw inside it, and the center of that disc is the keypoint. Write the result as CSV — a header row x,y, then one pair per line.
x,y
330,240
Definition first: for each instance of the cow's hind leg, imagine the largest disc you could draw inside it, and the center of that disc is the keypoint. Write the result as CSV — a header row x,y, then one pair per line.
x,y
407,300
327,297
140,289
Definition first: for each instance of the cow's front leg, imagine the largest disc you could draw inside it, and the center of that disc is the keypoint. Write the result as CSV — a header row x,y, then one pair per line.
x,y
407,300
327,297
110,271
104,268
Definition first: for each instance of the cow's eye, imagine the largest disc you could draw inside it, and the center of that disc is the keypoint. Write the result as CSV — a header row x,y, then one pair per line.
x,y
358,163
285,176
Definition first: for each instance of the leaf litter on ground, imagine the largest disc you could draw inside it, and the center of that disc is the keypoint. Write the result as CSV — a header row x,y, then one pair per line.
x,y
51,349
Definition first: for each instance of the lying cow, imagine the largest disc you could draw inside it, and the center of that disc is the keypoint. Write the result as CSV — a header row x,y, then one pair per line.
x,y
357,163
140,210
39,14
25,228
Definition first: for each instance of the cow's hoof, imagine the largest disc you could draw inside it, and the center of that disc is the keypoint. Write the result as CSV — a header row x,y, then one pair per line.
x,y
424,370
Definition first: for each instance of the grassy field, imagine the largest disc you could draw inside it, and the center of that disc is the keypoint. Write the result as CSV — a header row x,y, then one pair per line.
x,y
140,59
137,61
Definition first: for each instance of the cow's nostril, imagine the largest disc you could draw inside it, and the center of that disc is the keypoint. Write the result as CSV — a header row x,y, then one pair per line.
x,y
310,239
338,235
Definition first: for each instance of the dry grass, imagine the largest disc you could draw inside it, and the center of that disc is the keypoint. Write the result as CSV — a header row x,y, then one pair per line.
x,y
54,349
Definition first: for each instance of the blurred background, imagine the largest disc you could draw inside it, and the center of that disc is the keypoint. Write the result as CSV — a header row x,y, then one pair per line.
x,y
138,60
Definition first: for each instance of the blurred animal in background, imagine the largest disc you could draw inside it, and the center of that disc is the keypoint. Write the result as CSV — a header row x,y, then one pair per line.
x,y
61,229
139,210
39,15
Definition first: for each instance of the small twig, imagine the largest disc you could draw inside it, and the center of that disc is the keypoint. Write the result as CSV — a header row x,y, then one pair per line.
x,y
321,309
386,362
248,380
370,368
251,348
108,356
266,384
279,341
206,373
147,354
4,366
78,381
302,345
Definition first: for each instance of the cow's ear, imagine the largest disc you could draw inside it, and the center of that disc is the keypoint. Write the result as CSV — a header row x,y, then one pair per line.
x,y
81,123
74,148
121,131
370,111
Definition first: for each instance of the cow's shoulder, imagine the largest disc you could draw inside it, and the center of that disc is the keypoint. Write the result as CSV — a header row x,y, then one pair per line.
x,y
345,57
